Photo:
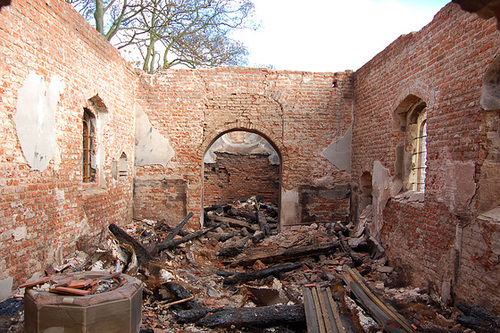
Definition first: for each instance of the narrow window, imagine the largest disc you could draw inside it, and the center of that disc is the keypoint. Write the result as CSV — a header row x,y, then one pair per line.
x,y
122,172
419,154
410,123
88,146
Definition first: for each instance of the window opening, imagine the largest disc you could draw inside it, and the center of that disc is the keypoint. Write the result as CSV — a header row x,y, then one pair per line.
x,y
88,137
419,153
122,171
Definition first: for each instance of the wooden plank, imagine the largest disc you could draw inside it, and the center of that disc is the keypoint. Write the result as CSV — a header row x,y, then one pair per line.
x,y
325,311
335,311
319,314
380,316
386,308
311,317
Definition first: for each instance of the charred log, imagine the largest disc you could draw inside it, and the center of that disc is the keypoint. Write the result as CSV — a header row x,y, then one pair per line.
x,y
287,254
175,242
261,273
266,316
143,256
182,293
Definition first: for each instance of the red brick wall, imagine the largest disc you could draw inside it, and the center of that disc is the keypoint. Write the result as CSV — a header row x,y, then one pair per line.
x,y
301,114
443,64
43,212
236,176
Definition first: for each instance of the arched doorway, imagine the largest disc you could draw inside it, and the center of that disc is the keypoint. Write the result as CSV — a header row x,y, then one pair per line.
x,y
239,165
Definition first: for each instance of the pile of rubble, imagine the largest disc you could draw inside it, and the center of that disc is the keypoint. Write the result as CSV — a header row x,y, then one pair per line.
x,y
238,273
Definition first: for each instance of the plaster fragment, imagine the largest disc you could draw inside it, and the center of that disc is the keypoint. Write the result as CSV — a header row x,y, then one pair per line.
x,y
339,152
19,233
150,146
35,119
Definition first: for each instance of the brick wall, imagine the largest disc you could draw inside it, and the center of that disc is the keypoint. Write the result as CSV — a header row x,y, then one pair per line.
x,y
444,65
235,176
300,114
42,213
447,240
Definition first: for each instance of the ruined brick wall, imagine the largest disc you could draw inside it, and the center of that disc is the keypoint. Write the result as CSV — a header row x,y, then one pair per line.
x,y
301,114
436,237
48,49
235,176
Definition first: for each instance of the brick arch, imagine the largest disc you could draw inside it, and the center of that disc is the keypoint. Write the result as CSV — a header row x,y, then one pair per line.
x,y
276,144
490,93
418,90
208,142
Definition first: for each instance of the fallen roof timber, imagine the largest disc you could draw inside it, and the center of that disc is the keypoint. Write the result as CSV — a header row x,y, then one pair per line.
x,y
321,310
384,313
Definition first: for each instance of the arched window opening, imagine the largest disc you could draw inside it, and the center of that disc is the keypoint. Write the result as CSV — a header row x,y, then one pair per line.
x,y
89,146
419,153
490,95
122,166
411,154
242,166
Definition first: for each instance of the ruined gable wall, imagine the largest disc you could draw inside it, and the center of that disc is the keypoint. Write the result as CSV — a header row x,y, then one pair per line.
x,y
437,240
43,212
301,114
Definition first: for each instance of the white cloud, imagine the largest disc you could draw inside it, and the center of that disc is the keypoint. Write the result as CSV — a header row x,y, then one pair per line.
x,y
331,35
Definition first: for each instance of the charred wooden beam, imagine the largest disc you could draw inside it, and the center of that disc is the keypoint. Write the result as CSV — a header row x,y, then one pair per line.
x,y
182,293
248,216
264,227
176,231
232,222
261,273
265,316
177,241
232,251
286,254
143,256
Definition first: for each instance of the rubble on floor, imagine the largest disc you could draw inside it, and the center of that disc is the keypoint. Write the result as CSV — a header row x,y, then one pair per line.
x,y
238,273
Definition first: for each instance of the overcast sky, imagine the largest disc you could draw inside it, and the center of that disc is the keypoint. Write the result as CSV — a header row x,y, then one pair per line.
x,y
331,35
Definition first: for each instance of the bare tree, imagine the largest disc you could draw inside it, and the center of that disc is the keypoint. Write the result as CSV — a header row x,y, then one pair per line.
x,y
161,34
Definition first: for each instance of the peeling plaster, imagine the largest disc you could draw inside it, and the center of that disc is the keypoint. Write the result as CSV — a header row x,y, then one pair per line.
x,y
6,288
150,146
339,152
460,185
19,233
35,119
381,192
289,211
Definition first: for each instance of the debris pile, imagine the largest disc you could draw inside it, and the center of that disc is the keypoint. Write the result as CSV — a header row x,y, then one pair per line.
x,y
74,285
239,273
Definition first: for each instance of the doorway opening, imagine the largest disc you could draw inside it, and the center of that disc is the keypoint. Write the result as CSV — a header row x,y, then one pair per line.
x,y
240,165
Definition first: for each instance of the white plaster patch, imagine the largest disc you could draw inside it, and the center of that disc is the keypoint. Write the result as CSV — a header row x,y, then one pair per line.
x,y
60,195
381,184
150,146
289,207
460,185
35,119
339,152
5,288
19,233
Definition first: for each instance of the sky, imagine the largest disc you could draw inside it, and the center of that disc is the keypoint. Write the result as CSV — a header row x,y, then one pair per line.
x,y
330,35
